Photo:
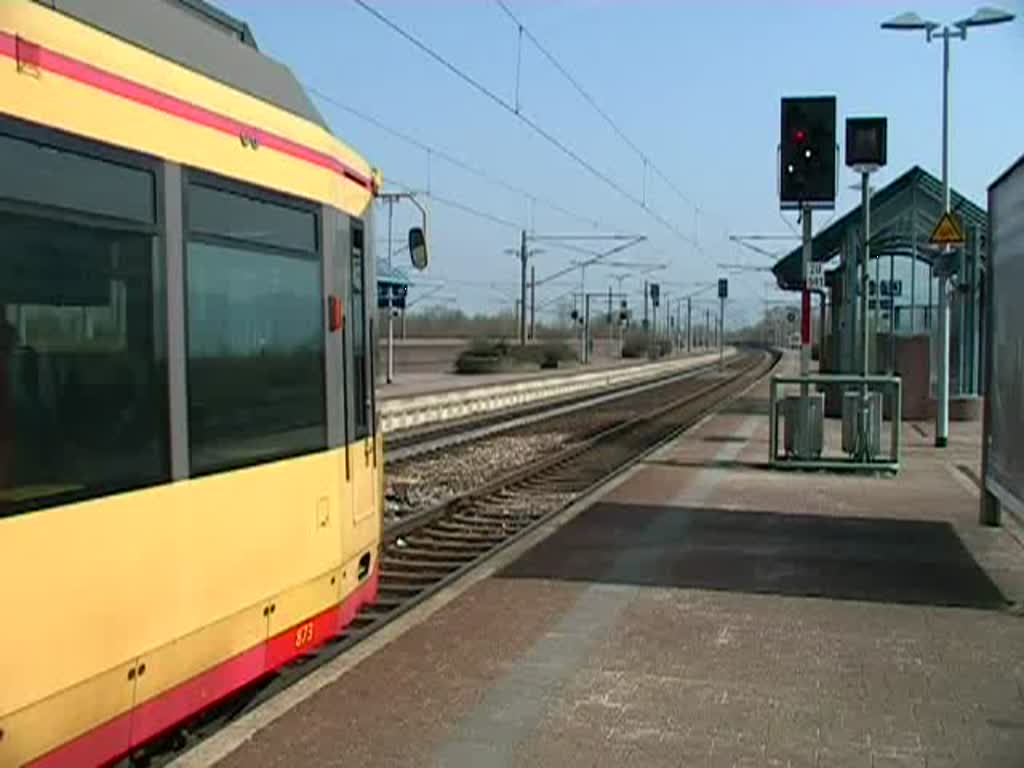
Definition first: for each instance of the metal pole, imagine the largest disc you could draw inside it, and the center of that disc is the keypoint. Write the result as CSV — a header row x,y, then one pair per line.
x,y
942,382
679,324
391,311
928,310
689,325
522,290
878,307
892,313
865,208
586,329
822,325
803,438
652,336
958,298
646,293
533,302
805,313
611,325
721,333
975,288
913,260
583,334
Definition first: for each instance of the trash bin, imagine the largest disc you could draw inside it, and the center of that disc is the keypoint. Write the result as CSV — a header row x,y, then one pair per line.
x,y
803,415
852,404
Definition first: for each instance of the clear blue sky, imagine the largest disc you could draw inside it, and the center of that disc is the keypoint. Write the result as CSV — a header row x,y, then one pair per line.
x,y
696,85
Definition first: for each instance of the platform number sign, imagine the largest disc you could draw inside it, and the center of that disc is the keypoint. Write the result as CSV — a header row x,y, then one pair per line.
x,y
723,288
815,277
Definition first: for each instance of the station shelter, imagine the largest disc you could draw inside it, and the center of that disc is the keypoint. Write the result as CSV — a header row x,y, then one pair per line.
x,y
902,294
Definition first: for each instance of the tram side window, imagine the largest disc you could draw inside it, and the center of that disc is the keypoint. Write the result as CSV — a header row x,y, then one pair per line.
x,y
255,329
359,332
82,383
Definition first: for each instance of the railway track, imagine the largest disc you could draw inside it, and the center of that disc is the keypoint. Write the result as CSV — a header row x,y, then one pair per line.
x,y
424,552
427,469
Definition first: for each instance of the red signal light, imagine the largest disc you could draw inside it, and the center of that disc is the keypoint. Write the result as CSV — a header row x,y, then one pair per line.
x,y
800,135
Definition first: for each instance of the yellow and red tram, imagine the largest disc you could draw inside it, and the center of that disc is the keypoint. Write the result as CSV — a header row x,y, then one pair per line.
x,y
190,472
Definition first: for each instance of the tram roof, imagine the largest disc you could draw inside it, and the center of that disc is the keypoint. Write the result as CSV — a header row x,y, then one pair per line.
x,y
200,36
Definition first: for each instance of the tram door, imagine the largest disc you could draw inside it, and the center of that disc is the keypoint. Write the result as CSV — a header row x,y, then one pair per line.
x,y
363,446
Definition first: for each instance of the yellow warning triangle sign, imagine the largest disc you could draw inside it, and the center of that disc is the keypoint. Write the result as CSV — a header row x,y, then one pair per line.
x,y
947,231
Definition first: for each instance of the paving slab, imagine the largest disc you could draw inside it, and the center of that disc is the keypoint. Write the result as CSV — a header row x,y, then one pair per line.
x,y
710,612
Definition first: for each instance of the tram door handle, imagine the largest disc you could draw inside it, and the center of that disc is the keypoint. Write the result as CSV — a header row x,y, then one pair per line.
x,y
370,446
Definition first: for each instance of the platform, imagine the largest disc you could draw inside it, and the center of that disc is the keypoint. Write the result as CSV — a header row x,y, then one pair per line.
x,y
464,397
415,383
703,612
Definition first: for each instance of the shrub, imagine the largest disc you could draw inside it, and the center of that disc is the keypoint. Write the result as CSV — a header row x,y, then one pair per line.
x,y
486,356
638,345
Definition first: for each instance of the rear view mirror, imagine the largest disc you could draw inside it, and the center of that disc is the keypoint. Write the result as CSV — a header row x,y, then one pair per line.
x,y
418,248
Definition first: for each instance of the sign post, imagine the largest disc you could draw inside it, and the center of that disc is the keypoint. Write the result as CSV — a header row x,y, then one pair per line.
x,y
723,294
652,334
805,303
807,180
816,277
948,234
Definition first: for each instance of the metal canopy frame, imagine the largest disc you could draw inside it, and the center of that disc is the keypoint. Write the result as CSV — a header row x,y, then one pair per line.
x,y
916,194
903,214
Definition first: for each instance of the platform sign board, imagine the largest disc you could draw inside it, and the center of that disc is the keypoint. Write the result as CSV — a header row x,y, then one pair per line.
x,y
866,142
892,287
391,295
815,277
947,231
889,287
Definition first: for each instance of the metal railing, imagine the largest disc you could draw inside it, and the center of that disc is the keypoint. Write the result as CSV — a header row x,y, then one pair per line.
x,y
859,460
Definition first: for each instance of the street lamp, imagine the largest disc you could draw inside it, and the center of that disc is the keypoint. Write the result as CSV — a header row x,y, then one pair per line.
x,y
983,17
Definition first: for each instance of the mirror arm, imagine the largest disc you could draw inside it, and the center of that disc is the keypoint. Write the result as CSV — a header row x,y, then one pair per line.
x,y
423,213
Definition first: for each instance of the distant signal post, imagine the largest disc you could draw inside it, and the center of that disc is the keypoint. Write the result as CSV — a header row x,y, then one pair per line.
x,y
807,180
723,294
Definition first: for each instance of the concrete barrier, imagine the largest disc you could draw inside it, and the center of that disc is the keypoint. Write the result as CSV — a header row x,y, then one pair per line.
x,y
419,410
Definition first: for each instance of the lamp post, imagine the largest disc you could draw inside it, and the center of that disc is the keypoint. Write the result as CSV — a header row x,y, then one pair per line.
x,y
983,17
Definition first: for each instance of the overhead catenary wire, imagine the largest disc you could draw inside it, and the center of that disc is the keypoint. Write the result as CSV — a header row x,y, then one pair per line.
x,y
460,206
532,124
450,158
649,164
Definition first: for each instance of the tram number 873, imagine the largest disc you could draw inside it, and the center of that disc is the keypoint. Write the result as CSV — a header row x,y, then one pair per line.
x,y
304,634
